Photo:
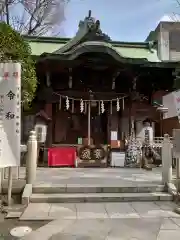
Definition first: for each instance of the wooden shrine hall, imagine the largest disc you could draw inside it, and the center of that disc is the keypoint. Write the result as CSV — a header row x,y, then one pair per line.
x,y
93,91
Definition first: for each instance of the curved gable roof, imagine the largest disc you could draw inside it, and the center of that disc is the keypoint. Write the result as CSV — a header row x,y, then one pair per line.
x,y
90,34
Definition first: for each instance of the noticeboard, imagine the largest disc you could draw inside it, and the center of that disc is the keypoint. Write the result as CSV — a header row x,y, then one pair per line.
x,y
10,114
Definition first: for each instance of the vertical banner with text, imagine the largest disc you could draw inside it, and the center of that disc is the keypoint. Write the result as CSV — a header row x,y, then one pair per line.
x,y
10,114
177,103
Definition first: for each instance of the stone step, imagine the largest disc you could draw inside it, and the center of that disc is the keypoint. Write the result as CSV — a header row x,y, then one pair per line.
x,y
80,188
98,197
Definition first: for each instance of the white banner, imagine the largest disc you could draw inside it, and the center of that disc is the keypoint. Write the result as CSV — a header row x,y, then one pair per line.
x,y
10,114
171,101
176,143
177,103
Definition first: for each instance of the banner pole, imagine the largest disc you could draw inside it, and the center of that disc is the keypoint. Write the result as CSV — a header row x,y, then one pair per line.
x,y
9,185
89,123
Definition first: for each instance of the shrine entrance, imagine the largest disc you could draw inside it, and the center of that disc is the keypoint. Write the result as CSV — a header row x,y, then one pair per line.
x,y
75,125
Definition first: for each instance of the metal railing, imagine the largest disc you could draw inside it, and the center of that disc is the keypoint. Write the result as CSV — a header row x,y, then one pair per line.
x,y
159,140
17,172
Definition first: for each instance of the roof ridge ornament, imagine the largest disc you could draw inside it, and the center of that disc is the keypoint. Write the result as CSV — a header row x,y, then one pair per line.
x,y
151,45
93,27
89,15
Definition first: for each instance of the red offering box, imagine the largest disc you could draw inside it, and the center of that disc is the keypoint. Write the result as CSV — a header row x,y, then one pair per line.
x,y
61,156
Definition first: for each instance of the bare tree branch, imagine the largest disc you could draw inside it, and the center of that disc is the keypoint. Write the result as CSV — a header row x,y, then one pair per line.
x,y
178,2
34,17
175,16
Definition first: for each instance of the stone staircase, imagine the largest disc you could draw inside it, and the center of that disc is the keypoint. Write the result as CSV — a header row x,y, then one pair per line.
x,y
74,193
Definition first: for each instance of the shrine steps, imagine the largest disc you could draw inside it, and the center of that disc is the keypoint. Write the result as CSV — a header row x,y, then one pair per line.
x,y
87,188
99,197
90,193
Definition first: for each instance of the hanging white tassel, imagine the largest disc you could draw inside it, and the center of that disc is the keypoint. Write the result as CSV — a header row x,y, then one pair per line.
x,y
102,107
81,106
117,105
67,103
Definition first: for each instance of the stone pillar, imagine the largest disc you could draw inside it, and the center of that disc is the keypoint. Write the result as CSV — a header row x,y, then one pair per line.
x,y
31,160
166,160
15,172
1,179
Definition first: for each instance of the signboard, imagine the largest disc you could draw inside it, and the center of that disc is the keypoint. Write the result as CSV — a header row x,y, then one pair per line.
x,y
114,135
10,114
176,143
80,141
171,101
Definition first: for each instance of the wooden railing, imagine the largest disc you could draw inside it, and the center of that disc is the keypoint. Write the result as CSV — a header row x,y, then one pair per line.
x,y
159,140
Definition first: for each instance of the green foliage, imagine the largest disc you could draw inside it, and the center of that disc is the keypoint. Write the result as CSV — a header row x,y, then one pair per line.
x,y
14,48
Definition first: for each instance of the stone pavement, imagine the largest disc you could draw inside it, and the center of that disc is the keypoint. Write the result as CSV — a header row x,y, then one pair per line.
x,y
94,175
109,229
105,221
97,175
102,221
52,211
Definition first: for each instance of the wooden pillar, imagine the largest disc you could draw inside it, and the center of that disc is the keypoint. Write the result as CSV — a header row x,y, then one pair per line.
x,y
130,117
89,123
48,143
48,110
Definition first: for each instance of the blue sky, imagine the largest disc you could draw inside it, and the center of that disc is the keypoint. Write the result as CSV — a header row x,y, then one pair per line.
x,y
123,20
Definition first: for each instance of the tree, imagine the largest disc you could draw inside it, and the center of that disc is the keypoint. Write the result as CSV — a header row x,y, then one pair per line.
x,y
33,17
13,47
175,16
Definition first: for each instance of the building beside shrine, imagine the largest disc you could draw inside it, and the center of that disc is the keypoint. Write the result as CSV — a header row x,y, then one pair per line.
x,y
167,35
92,87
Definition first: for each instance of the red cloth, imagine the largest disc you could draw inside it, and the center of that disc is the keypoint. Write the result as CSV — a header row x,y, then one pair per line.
x,y
61,156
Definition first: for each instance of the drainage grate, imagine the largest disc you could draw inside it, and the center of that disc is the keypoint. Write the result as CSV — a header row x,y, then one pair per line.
x,y
20,231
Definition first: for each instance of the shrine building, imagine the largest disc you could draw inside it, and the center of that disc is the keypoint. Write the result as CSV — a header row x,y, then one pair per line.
x,y
94,91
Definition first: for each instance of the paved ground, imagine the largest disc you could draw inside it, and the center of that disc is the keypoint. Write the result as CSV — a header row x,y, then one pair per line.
x,y
137,210
106,229
105,221
94,175
97,176
7,224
